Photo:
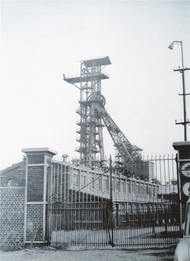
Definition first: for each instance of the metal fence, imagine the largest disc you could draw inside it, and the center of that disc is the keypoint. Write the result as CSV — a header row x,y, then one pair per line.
x,y
139,207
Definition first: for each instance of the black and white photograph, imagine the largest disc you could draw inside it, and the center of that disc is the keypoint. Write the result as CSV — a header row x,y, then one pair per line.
x,y
95,130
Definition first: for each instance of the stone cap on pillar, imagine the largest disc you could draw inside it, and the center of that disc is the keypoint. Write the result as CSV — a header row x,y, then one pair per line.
x,y
184,149
42,150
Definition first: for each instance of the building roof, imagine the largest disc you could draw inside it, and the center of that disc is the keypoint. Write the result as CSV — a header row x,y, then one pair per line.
x,y
13,166
39,150
97,61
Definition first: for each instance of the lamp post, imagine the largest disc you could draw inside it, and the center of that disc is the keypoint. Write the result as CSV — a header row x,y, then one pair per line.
x,y
182,70
109,165
64,187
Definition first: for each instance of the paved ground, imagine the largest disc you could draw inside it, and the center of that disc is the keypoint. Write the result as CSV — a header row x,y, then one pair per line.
x,y
78,254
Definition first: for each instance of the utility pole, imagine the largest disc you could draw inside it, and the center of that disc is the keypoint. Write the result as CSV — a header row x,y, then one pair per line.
x,y
182,71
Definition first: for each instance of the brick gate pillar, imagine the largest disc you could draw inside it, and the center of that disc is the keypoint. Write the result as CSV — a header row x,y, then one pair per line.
x,y
183,175
37,162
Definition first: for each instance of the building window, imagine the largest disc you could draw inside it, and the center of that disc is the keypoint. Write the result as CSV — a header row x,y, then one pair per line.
x,y
123,187
139,188
142,189
92,182
146,189
130,209
134,209
153,191
11,182
122,208
145,208
100,183
113,184
129,186
117,185
150,190
133,187
106,184
83,181
75,180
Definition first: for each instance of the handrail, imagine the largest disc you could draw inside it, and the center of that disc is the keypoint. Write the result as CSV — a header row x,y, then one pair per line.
x,y
78,75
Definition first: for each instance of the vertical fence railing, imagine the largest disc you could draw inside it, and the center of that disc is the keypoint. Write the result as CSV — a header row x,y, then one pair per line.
x,y
153,219
145,205
81,216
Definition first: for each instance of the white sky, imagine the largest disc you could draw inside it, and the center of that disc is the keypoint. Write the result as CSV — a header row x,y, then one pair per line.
x,y
42,40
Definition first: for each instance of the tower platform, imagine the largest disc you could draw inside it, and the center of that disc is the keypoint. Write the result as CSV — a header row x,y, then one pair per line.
x,y
85,78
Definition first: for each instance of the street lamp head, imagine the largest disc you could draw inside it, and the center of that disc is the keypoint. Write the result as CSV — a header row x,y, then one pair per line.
x,y
171,46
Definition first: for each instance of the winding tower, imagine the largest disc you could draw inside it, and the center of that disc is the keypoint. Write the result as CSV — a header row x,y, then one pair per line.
x,y
90,124
93,116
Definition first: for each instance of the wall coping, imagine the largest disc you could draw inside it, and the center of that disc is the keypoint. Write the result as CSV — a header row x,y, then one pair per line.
x,y
12,187
39,150
181,144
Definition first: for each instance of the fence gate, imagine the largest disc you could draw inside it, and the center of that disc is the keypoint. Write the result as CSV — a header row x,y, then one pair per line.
x,y
80,224
143,212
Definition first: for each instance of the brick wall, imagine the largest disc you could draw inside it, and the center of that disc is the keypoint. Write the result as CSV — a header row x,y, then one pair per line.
x,y
34,224
35,184
16,172
12,218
